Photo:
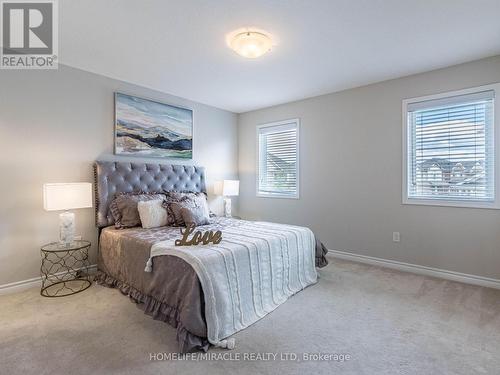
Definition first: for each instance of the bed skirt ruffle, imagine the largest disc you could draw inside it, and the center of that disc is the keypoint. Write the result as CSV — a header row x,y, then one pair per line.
x,y
158,310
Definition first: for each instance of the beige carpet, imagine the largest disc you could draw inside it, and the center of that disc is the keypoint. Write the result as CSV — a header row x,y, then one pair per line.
x,y
388,322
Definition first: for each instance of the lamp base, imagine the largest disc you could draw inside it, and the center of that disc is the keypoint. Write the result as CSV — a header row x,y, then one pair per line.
x,y
227,207
66,228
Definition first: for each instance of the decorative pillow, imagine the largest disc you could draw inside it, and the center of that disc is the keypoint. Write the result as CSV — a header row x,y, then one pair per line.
x,y
194,215
177,196
124,207
172,197
176,201
152,213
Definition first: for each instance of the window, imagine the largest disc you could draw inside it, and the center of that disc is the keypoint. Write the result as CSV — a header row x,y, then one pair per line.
x,y
450,149
278,159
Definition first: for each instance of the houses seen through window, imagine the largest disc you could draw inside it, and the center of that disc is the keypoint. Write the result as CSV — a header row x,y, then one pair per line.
x,y
450,150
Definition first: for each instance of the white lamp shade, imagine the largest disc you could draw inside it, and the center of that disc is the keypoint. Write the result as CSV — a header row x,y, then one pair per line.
x,y
227,188
67,196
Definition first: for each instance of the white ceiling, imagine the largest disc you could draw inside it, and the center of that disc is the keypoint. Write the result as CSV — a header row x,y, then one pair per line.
x,y
324,45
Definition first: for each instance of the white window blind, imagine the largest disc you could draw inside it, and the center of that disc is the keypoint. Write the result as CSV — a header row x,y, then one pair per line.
x,y
278,159
451,148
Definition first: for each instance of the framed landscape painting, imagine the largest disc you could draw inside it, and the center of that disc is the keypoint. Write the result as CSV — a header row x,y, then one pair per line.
x,y
147,128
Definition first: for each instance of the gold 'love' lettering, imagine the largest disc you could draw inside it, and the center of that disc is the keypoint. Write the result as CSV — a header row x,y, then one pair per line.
x,y
198,237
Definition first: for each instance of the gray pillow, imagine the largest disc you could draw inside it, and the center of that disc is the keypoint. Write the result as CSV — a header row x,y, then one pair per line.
x,y
124,208
175,203
177,196
194,216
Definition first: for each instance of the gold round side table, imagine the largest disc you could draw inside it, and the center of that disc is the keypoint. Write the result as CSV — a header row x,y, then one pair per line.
x,y
65,269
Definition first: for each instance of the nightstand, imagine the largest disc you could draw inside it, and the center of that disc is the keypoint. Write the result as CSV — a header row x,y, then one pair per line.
x,y
65,269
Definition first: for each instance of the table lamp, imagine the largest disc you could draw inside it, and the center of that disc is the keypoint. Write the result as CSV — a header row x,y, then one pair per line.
x,y
227,188
67,196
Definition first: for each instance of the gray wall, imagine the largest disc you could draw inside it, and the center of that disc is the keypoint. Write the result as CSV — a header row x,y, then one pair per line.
x,y
53,125
351,180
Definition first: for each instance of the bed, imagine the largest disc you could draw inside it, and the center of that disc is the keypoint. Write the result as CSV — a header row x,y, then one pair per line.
x,y
209,292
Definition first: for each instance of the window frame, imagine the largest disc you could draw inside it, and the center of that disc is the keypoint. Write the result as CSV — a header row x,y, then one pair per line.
x,y
495,204
260,194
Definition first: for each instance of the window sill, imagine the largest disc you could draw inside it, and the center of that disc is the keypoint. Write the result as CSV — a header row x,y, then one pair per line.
x,y
262,195
450,203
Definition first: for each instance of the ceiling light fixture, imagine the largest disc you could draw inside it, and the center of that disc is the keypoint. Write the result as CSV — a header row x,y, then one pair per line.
x,y
250,43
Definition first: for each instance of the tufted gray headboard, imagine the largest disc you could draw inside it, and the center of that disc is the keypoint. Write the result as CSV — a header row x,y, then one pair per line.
x,y
113,177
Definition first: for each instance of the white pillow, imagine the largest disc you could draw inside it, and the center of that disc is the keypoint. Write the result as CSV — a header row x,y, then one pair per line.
x,y
152,214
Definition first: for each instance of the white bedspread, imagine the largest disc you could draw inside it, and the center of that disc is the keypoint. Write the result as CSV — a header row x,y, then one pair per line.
x,y
255,268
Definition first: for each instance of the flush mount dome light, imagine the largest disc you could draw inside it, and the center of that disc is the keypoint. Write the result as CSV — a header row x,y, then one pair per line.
x,y
250,43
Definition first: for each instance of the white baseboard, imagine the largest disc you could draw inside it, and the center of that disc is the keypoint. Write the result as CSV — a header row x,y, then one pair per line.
x,y
19,286
421,270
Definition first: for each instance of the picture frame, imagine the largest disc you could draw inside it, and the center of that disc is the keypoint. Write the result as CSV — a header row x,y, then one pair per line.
x,y
151,129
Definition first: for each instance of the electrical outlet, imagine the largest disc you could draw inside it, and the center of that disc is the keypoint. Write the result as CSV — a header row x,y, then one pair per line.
x,y
396,237
78,238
